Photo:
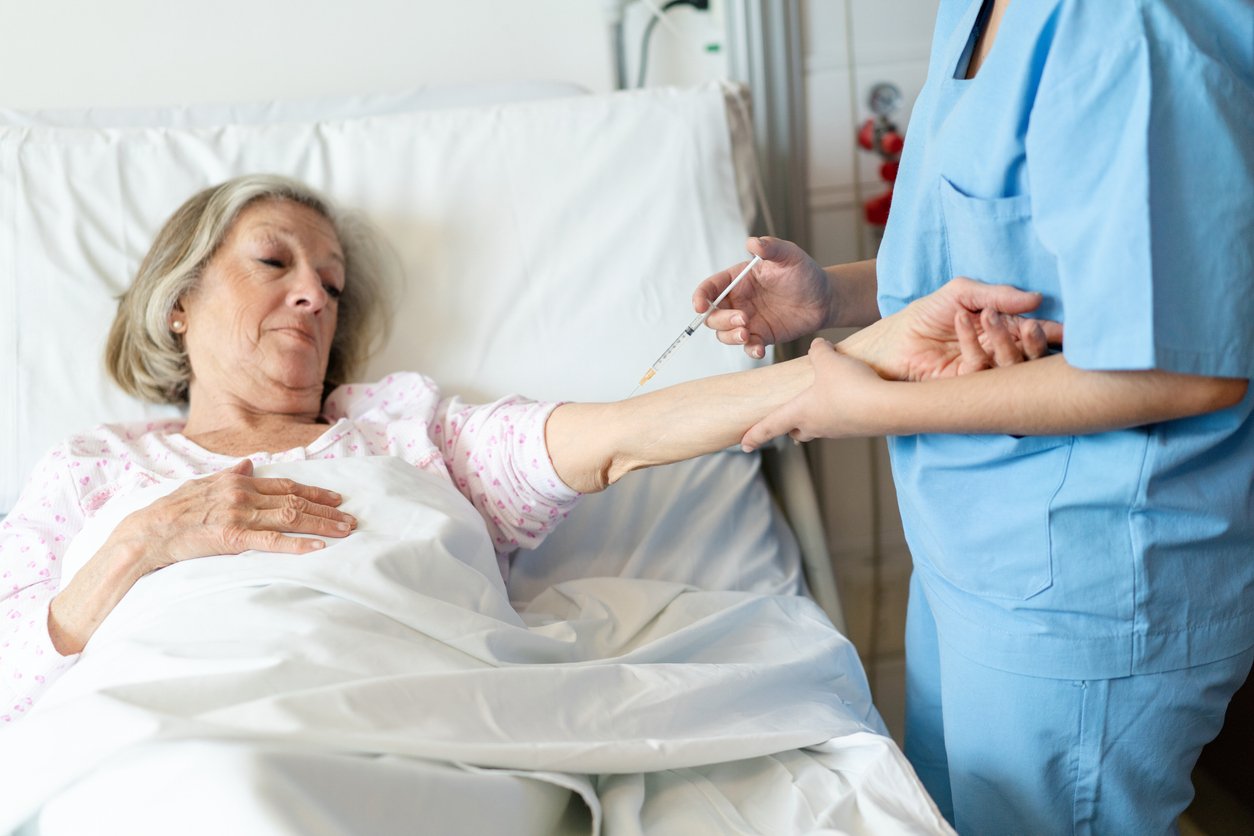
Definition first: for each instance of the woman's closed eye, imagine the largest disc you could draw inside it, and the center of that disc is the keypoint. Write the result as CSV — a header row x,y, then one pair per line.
x,y
332,289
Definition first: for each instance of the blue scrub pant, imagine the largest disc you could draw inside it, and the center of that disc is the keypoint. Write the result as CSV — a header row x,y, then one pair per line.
x,y
1006,753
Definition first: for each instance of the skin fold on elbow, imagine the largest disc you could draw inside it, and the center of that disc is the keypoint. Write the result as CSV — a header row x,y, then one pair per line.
x,y
580,447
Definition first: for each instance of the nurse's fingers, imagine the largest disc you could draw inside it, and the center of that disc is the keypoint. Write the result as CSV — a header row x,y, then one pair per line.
x,y
975,295
772,249
727,323
974,358
753,344
781,421
1053,330
999,339
724,317
709,289
803,417
1032,339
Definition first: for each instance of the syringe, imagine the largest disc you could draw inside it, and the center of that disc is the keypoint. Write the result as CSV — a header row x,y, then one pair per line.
x,y
694,325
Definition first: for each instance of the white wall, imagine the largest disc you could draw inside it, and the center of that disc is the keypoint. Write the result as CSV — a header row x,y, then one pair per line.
x,y
850,45
75,53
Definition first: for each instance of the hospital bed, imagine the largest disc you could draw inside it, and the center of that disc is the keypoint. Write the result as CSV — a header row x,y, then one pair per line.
x,y
549,241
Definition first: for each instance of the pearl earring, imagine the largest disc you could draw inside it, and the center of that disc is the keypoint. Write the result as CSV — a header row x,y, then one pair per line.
x,y
177,326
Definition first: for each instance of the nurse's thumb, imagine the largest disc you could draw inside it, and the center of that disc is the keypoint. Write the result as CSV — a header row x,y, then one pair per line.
x,y
771,249
1006,298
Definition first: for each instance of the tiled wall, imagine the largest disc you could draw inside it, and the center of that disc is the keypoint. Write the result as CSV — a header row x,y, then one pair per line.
x,y
851,45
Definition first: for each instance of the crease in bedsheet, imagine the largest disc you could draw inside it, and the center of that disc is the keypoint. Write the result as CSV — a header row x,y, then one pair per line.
x,y
409,648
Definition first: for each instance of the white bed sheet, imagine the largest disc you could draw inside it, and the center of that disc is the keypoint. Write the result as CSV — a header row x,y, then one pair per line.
x,y
399,644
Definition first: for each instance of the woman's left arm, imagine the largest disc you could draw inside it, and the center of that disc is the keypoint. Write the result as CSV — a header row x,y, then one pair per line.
x,y
592,445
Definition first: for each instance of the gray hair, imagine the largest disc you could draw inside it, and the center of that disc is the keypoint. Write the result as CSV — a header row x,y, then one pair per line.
x,y
149,362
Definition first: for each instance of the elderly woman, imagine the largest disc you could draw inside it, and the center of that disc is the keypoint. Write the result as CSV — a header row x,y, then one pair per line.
x,y
255,306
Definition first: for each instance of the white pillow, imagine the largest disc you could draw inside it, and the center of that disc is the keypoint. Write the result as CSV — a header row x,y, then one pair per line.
x,y
550,246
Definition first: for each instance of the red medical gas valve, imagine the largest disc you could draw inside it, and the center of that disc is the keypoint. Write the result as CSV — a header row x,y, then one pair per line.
x,y
867,135
881,136
876,209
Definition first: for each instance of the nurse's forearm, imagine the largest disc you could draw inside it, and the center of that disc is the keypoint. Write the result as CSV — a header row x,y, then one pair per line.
x,y
854,287
1046,397
593,445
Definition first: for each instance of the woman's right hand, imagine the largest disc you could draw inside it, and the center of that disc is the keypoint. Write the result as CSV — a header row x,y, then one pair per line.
x,y
231,512
788,295
226,513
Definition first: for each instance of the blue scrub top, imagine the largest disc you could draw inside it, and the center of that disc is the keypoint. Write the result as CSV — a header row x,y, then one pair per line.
x,y
1104,155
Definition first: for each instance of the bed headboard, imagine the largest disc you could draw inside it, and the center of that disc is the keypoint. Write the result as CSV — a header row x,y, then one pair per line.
x,y
549,245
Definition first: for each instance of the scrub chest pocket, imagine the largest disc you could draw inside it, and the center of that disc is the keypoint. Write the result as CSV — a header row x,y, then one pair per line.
x,y
992,240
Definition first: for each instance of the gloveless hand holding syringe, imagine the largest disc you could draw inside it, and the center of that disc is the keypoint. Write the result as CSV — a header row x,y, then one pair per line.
x,y
694,325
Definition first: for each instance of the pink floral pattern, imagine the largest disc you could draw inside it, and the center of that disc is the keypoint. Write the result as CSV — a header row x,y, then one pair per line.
x,y
494,453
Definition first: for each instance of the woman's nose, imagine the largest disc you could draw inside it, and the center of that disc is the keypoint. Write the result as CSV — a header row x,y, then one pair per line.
x,y
307,291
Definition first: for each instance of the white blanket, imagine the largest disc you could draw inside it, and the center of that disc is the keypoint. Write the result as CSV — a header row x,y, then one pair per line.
x,y
399,643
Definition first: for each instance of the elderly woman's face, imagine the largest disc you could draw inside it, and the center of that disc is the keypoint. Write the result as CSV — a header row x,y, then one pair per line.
x,y
261,319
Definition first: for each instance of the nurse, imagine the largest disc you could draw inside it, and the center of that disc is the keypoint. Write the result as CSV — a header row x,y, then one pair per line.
x,y
1082,525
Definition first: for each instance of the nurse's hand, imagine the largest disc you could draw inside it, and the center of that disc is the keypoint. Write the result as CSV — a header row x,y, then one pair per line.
x,y
786,296
838,404
963,327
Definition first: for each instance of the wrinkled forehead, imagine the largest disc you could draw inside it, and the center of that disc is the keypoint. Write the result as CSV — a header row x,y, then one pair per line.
x,y
285,221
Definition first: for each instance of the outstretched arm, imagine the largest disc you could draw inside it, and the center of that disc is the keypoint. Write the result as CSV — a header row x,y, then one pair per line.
x,y
592,445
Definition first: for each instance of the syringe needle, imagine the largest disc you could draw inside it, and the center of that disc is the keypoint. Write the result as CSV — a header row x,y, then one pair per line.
x,y
695,324
647,376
